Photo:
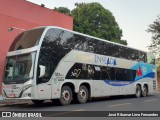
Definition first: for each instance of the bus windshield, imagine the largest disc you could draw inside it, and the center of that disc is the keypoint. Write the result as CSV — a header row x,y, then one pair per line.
x,y
19,68
27,39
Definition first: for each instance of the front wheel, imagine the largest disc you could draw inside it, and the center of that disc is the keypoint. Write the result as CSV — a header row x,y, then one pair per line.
x,y
66,95
138,91
82,95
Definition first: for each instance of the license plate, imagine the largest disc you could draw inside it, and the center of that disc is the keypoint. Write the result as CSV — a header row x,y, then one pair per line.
x,y
12,95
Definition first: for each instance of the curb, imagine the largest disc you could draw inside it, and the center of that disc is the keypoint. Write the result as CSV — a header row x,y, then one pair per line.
x,y
7,103
12,104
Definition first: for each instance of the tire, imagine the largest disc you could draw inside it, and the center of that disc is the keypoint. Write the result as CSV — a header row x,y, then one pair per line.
x,y
38,102
66,95
144,91
138,91
82,95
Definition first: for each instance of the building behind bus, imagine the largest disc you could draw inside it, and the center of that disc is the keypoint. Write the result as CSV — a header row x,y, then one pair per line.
x,y
25,15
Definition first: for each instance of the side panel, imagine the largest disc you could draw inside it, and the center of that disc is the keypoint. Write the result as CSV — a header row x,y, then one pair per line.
x,y
44,90
58,78
135,73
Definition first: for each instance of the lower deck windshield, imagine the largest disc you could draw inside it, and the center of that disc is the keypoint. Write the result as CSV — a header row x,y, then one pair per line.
x,y
19,68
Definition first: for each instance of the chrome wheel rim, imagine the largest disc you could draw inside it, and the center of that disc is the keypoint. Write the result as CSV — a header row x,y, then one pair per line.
x,y
82,94
66,95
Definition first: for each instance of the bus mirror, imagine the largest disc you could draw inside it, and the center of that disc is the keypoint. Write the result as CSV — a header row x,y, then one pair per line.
x,y
42,70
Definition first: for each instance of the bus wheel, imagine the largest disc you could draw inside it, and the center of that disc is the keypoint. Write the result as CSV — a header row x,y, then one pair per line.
x,y
82,95
144,91
66,95
138,91
38,102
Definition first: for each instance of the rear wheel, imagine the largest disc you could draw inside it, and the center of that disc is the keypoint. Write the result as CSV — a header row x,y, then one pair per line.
x,y
66,95
144,91
82,95
138,91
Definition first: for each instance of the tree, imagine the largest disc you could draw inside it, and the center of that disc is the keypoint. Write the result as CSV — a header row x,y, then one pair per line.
x,y
158,70
154,28
63,10
93,19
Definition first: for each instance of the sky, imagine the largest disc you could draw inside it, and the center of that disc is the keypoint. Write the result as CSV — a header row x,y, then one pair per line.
x,y
133,16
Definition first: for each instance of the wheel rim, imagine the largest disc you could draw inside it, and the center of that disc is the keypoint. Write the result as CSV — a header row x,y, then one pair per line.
x,y
66,95
144,91
138,92
82,94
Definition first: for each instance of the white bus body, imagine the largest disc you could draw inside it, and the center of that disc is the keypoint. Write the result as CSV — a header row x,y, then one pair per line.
x,y
54,63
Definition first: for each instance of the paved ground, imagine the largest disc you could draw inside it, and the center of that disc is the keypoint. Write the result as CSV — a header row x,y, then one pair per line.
x,y
124,103
12,102
17,102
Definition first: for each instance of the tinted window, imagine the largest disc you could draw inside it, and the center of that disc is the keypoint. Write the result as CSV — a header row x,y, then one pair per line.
x,y
125,74
108,73
52,50
94,72
27,39
99,49
81,71
19,68
97,72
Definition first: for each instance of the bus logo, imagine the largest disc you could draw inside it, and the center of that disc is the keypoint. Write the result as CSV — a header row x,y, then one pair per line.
x,y
139,71
105,60
76,73
111,61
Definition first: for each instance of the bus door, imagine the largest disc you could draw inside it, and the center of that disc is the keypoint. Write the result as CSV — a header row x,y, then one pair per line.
x,y
44,83
44,90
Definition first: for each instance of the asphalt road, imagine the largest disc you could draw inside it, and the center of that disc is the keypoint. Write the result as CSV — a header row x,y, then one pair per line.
x,y
119,103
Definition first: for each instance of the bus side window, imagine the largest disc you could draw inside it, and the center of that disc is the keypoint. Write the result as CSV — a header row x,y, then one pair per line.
x,y
105,73
120,74
90,47
47,74
97,73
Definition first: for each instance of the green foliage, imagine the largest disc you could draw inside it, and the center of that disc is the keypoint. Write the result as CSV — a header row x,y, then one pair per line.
x,y
158,70
63,10
154,28
93,19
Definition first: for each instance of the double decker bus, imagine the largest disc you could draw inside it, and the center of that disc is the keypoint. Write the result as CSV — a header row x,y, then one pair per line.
x,y
52,63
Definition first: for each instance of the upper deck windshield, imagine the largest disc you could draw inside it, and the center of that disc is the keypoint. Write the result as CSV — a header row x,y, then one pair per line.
x,y
27,39
19,68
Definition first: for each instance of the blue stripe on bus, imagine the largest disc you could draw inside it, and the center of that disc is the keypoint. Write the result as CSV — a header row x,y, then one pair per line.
x,y
124,83
118,82
150,75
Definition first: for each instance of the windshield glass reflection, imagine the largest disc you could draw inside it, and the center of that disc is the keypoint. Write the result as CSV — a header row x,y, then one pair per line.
x,y
19,68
